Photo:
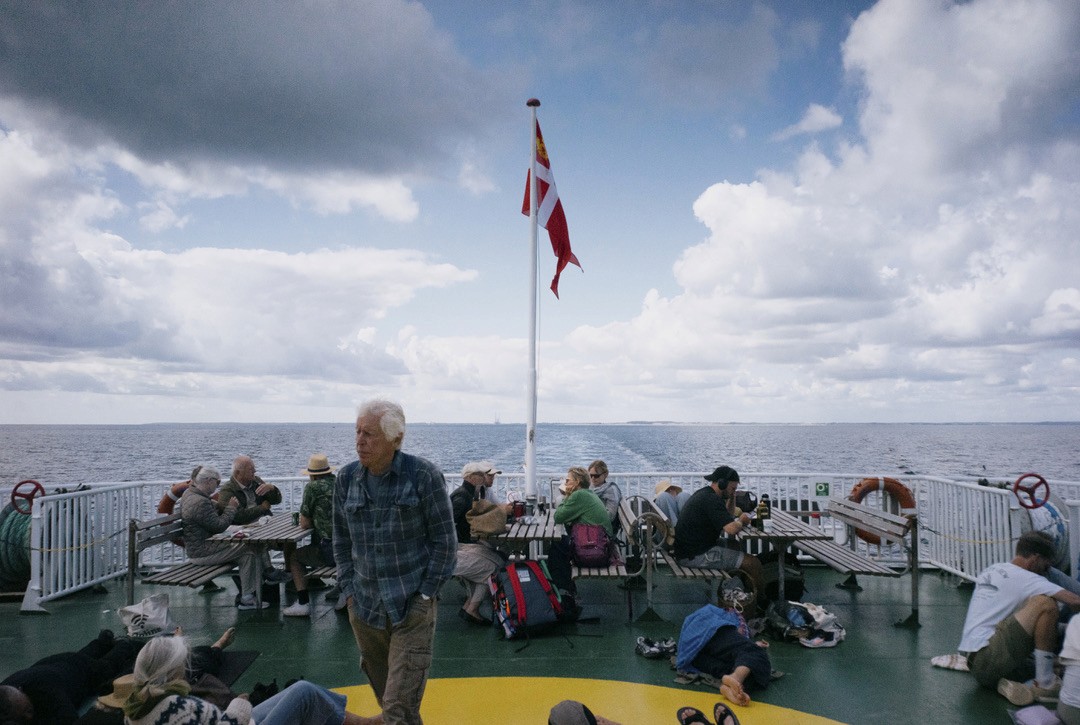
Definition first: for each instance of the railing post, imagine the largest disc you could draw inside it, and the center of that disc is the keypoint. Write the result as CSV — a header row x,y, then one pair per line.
x,y
31,603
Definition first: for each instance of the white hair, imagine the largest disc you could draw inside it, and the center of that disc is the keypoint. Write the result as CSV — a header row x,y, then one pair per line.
x,y
391,416
205,475
161,660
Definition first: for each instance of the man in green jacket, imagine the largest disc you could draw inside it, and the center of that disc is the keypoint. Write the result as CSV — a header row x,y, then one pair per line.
x,y
255,497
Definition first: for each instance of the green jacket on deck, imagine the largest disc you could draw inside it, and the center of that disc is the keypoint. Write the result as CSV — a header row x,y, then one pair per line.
x,y
583,507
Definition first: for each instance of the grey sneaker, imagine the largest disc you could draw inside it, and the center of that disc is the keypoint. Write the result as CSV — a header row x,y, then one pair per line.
x,y
249,603
342,602
1015,692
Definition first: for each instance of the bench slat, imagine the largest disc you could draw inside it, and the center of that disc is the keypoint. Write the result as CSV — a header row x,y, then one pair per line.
x,y
191,575
844,560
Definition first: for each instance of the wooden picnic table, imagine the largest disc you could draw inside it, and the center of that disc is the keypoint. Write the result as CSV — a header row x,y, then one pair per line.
x,y
530,533
278,532
784,530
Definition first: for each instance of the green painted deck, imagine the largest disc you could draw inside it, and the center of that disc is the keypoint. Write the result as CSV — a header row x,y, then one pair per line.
x,y
879,674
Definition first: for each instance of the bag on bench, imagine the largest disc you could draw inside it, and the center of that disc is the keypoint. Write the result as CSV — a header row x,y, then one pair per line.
x,y
591,546
523,598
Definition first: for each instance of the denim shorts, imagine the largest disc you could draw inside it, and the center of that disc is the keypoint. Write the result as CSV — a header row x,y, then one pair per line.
x,y
718,557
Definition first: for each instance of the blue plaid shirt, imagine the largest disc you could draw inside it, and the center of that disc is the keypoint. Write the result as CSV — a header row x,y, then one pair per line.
x,y
394,538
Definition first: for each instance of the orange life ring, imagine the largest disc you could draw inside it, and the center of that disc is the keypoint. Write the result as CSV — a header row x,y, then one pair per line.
x,y
900,493
168,501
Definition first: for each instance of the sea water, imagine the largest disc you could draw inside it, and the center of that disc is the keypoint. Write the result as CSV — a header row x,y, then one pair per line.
x,y
67,455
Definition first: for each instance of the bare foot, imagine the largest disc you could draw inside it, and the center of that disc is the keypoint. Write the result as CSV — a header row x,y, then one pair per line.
x,y
226,638
733,690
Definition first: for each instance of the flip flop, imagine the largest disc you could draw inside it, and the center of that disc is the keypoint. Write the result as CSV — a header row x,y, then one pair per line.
x,y
691,715
723,715
472,618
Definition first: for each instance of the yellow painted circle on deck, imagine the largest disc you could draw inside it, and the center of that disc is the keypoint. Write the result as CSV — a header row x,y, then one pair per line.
x,y
527,700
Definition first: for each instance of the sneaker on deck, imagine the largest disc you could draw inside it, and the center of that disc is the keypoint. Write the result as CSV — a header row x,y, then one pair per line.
x,y
341,603
1015,692
297,610
249,603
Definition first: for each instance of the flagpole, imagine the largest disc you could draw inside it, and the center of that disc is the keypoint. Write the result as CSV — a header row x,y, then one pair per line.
x,y
530,424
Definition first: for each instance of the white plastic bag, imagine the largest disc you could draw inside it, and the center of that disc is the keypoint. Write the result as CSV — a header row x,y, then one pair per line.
x,y
147,618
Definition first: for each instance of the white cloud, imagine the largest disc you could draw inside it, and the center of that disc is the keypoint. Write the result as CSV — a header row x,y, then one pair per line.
x,y
816,119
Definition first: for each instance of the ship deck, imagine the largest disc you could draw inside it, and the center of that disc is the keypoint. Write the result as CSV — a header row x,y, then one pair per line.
x,y
880,673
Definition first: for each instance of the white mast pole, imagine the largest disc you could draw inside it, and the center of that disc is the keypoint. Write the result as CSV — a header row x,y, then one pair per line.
x,y
530,423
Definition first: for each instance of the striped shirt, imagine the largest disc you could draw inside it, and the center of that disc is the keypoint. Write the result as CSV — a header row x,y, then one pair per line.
x,y
393,536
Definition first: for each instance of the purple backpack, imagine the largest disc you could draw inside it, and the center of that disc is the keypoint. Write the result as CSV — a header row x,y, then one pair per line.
x,y
590,545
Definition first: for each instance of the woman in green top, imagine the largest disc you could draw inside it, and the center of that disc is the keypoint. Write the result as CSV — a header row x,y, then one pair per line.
x,y
580,506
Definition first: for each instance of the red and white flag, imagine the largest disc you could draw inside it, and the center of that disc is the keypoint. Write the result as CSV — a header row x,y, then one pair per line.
x,y
549,212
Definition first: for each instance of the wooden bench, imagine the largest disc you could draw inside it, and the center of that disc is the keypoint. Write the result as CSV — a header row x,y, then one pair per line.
x,y
165,529
888,527
611,571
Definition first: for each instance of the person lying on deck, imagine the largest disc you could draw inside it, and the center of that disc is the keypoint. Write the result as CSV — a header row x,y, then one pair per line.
x,y
51,691
163,697
716,641
1013,613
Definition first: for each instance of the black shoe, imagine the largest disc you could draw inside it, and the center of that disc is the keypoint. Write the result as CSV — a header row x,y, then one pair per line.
x,y
106,636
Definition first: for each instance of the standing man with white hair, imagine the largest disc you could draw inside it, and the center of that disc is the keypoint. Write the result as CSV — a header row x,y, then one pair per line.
x,y
395,545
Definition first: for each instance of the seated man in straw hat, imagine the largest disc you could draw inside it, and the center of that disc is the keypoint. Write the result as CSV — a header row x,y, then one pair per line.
x,y
670,499
317,513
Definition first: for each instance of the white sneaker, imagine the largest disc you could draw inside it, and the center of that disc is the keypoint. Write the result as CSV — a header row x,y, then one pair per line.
x,y
249,603
297,610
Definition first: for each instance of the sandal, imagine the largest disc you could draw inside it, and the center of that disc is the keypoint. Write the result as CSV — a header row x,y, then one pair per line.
x,y
472,618
691,715
723,715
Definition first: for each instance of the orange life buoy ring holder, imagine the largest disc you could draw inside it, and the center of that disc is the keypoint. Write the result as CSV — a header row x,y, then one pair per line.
x,y
168,503
900,493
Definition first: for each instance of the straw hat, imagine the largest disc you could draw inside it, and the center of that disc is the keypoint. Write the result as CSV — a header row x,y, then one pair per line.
x,y
122,687
317,465
664,486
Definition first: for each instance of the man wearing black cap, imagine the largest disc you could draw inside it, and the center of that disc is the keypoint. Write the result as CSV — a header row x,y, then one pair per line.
x,y
708,515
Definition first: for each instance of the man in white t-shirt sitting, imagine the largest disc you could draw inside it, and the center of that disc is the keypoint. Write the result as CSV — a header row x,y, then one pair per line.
x,y
1013,613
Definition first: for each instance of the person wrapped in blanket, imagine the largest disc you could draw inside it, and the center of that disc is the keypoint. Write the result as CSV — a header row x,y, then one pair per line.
x,y
717,642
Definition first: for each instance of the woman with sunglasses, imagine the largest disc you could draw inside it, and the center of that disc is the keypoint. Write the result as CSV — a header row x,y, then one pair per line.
x,y
609,493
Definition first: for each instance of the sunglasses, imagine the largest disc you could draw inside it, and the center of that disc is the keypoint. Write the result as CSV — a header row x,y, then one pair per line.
x,y
595,475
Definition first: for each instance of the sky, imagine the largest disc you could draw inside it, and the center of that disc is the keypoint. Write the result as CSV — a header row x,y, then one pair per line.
x,y
790,211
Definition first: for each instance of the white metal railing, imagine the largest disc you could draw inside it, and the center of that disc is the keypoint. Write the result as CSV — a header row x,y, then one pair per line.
x,y
79,539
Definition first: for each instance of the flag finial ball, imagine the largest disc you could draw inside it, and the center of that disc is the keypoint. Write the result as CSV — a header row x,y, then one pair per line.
x,y
532,102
